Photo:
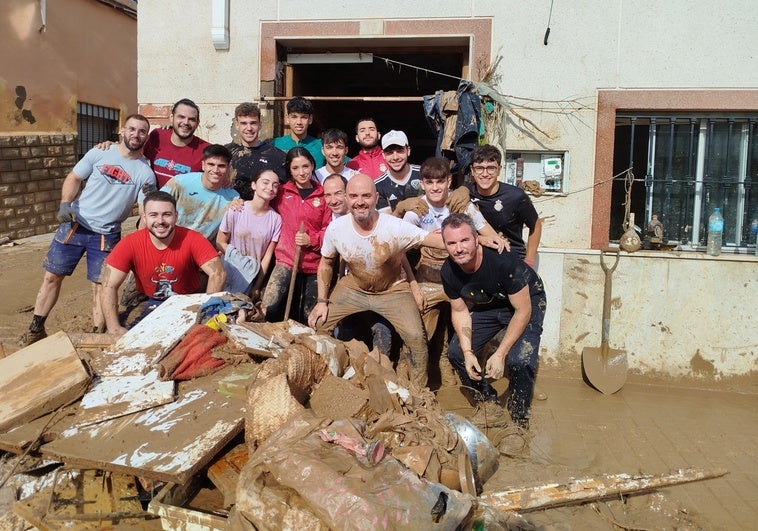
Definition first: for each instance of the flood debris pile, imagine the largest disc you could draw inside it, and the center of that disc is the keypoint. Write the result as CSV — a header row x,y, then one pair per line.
x,y
193,420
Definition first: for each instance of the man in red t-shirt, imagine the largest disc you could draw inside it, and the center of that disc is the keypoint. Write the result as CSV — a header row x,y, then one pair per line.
x,y
177,150
166,260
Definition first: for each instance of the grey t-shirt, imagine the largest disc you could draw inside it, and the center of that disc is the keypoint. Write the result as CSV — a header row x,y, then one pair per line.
x,y
112,184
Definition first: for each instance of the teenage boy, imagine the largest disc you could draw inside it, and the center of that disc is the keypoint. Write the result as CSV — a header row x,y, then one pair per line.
x,y
334,148
250,154
299,118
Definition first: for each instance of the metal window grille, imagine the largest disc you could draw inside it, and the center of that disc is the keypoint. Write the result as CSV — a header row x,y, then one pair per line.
x,y
684,167
95,124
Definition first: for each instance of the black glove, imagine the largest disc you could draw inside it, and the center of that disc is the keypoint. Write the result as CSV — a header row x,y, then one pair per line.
x,y
66,213
149,188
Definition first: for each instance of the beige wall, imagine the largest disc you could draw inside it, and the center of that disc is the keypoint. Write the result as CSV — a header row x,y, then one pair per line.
x,y
633,47
86,53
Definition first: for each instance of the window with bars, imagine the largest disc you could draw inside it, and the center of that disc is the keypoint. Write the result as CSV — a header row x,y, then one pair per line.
x,y
684,166
94,125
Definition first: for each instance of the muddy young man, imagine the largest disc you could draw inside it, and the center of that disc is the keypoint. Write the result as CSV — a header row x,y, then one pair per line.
x,y
490,292
202,198
250,155
91,217
166,260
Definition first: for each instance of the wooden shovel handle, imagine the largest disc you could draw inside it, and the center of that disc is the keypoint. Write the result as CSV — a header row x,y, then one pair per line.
x,y
295,268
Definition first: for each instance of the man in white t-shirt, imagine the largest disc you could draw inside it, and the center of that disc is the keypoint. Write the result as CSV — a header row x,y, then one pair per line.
x,y
334,148
372,246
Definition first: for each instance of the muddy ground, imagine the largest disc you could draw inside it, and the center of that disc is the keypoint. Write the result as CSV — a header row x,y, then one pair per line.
x,y
577,432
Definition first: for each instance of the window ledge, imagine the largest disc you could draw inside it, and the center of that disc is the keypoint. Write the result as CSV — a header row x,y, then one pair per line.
x,y
725,256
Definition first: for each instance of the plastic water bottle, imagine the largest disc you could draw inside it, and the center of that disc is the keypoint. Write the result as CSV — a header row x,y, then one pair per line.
x,y
715,231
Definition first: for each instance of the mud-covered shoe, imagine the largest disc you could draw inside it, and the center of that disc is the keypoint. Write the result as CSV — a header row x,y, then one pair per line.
x,y
447,373
489,414
513,441
32,337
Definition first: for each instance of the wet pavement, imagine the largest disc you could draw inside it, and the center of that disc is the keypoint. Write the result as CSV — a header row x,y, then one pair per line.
x,y
642,429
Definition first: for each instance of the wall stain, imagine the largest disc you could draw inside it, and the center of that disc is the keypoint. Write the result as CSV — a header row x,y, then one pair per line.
x,y
584,295
581,336
701,366
26,114
616,303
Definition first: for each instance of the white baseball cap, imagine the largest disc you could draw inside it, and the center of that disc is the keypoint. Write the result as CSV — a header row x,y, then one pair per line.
x,y
394,138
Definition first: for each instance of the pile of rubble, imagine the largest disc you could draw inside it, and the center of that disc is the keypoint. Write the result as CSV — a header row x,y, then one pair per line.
x,y
192,420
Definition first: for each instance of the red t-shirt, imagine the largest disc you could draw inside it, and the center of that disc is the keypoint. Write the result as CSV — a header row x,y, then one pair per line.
x,y
168,160
371,163
174,270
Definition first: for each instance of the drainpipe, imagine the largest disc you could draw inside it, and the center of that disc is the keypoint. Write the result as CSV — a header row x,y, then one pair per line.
x,y
220,24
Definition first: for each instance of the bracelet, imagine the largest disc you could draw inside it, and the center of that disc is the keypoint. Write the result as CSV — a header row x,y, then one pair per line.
x,y
321,299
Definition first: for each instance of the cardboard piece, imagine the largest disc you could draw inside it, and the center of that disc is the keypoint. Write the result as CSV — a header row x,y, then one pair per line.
x,y
39,379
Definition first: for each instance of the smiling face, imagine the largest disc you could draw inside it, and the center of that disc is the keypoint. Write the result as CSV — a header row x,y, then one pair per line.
x,y
362,198
184,121
436,190
134,134
266,186
160,219
215,172
335,153
248,127
366,134
485,176
397,157
334,194
462,246
299,123
301,170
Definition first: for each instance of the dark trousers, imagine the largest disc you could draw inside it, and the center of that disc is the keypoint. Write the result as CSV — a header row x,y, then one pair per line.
x,y
520,364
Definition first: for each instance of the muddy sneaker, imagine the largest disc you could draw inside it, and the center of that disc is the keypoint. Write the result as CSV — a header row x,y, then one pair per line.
x,y
447,373
513,441
32,337
489,414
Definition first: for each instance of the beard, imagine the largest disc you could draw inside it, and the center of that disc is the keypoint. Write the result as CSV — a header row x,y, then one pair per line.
x,y
134,144
168,234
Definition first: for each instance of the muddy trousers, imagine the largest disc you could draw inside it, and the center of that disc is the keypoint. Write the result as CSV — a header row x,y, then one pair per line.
x,y
520,363
398,307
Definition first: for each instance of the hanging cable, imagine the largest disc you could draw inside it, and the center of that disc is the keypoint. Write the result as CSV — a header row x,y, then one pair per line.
x,y
549,17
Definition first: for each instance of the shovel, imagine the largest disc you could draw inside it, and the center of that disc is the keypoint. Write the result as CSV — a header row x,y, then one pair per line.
x,y
605,368
295,267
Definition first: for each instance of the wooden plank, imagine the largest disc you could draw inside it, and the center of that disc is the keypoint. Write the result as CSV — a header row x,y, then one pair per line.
x,y
43,429
92,340
144,345
39,379
246,340
225,472
166,443
84,500
590,489
113,397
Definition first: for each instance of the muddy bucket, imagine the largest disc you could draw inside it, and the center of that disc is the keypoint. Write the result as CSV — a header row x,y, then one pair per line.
x,y
482,453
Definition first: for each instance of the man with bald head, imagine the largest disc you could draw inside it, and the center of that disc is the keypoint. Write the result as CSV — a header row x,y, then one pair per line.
x,y
373,246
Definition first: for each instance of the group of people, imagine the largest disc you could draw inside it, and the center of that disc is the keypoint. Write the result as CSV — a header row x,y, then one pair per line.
x,y
248,216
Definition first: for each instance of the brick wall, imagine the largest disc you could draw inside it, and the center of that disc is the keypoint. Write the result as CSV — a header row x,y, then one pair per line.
x,y
32,170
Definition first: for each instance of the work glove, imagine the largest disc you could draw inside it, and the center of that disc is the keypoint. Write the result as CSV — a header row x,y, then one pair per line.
x,y
149,188
66,213
412,204
458,200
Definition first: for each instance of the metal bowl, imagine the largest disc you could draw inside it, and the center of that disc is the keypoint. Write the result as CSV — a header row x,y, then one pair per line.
x,y
482,453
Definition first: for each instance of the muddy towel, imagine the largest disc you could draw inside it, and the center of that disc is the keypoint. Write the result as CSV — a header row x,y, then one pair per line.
x,y
193,356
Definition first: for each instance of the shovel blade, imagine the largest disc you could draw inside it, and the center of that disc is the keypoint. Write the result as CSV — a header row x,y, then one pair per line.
x,y
605,368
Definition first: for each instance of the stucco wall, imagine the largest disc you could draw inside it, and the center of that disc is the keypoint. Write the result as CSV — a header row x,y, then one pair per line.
x,y
86,53
593,45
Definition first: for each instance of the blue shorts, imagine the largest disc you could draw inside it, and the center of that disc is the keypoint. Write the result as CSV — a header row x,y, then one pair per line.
x,y
71,242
